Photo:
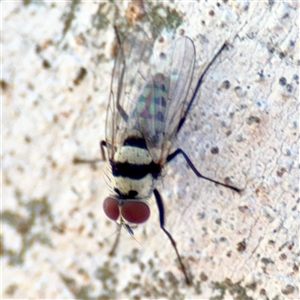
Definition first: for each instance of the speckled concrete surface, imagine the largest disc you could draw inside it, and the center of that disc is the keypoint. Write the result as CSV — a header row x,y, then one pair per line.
x,y
56,69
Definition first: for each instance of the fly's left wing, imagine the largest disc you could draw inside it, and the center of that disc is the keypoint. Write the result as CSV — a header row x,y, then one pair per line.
x,y
181,75
163,100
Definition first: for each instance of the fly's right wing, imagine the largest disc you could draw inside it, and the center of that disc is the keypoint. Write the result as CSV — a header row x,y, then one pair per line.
x,y
130,73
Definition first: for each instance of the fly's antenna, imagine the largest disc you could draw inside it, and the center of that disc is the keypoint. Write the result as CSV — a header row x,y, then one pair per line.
x,y
130,231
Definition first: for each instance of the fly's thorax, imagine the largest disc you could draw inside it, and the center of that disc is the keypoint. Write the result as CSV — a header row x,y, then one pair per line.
x,y
134,172
143,187
132,155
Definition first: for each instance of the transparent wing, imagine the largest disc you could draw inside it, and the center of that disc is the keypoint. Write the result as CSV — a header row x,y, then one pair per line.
x,y
130,71
164,99
149,94
181,75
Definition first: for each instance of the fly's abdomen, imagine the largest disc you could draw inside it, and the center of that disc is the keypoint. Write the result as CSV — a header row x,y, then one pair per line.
x,y
152,98
150,111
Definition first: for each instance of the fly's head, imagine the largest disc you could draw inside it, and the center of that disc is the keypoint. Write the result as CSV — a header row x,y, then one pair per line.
x,y
126,212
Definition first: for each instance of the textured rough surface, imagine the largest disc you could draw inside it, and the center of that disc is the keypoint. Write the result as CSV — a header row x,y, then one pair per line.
x,y
56,68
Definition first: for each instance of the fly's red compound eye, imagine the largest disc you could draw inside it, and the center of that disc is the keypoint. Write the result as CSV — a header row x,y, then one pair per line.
x,y
135,212
111,208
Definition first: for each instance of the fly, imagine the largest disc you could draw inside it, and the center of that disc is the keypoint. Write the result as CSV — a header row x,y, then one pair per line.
x,y
147,107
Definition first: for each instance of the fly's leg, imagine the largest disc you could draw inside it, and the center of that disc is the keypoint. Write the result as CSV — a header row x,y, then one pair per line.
x,y
77,160
116,243
161,210
198,86
180,151
117,240
102,145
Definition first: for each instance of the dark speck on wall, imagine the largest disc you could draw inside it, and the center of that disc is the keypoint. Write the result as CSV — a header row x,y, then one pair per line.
x,y
214,150
282,81
289,88
281,55
226,84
